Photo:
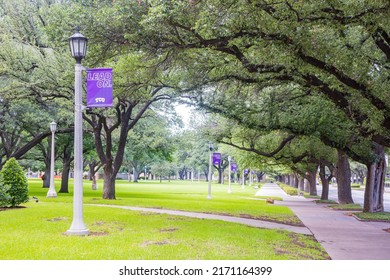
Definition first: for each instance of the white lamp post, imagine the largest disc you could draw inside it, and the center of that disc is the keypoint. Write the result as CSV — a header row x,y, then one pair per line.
x,y
230,166
78,48
52,190
210,164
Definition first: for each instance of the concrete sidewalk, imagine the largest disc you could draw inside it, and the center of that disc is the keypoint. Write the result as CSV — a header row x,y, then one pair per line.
x,y
342,236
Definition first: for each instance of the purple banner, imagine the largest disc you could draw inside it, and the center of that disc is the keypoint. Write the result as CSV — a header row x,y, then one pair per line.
x,y
216,158
246,171
99,87
233,167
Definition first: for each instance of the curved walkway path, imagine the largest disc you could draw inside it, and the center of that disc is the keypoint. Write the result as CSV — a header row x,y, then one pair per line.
x,y
342,236
245,221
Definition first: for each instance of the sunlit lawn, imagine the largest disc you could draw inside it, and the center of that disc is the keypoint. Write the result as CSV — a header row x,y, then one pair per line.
x,y
180,195
37,231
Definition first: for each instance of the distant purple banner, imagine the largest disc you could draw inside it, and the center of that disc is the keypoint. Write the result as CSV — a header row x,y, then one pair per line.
x,y
233,167
216,158
99,87
246,171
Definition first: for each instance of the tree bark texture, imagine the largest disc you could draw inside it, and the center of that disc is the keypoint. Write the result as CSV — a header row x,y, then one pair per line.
x,y
301,185
325,183
65,178
375,184
311,178
66,160
109,181
343,178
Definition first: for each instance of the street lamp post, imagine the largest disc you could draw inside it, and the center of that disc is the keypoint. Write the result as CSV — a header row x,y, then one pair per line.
x,y
210,164
52,190
230,175
78,48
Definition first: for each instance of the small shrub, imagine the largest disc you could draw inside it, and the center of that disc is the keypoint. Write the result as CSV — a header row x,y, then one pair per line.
x,y
13,177
5,198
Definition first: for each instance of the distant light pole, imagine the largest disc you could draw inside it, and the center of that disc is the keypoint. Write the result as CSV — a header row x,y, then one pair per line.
x,y
52,191
145,174
78,48
210,164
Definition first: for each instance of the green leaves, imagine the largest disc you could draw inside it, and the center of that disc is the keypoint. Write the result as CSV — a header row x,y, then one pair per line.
x,y
13,184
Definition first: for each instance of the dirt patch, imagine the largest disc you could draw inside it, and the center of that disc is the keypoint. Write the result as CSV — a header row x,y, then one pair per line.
x,y
57,219
158,243
246,216
387,230
143,213
281,252
168,229
295,240
12,208
177,218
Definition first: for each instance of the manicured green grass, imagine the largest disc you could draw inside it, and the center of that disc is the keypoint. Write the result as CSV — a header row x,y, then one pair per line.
x,y
347,207
181,195
326,201
37,233
288,189
381,216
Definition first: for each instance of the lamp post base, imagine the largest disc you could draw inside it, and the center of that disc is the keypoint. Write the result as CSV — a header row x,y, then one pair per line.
x,y
78,232
51,193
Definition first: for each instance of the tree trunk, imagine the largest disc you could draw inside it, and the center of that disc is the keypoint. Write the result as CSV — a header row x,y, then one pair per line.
x,y
94,182
311,178
325,183
46,178
301,185
66,160
306,186
343,177
375,183
259,176
109,181
296,181
65,178
136,175
288,180
220,175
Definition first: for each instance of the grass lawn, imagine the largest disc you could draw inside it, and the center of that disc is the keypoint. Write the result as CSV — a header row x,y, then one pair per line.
x,y
380,216
36,232
180,195
347,207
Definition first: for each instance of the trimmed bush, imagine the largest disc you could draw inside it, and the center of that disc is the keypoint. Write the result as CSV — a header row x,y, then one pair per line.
x,y
16,182
4,195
